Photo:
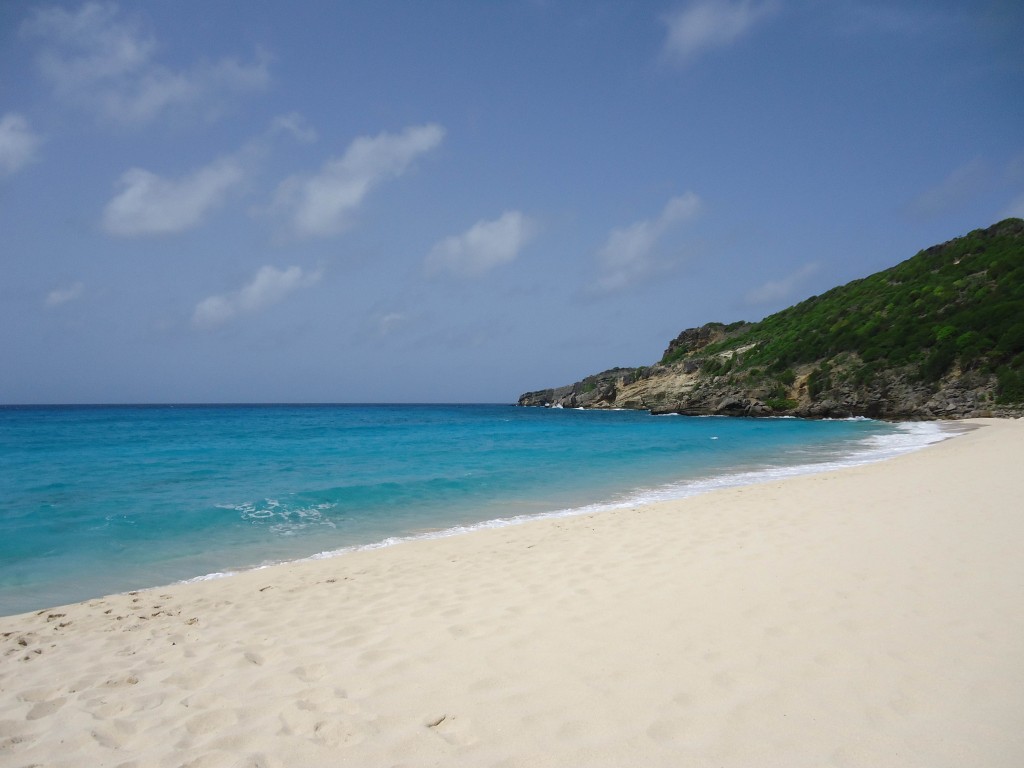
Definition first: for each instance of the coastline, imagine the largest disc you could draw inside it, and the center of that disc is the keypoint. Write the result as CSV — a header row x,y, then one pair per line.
x,y
664,493
87,518
867,616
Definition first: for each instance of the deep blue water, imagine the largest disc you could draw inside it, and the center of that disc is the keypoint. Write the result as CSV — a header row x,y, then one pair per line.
x,y
95,500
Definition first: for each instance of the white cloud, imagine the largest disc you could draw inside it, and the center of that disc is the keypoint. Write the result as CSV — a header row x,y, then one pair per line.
x,y
150,205
268,286
17,143
99,59
389,322
59,296
322,204
783,288
295,125
482,247
627,255
707,24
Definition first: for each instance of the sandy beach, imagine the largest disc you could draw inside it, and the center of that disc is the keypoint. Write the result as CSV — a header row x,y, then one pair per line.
x,y
868,617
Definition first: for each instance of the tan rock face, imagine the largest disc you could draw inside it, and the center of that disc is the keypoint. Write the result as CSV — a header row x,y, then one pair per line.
x,y
685,387
657,392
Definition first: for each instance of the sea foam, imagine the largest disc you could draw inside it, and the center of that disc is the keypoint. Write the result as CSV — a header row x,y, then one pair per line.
x,y
106,499
909,437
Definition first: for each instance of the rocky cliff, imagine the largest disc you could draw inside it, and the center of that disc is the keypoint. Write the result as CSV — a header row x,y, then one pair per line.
x,y
940,335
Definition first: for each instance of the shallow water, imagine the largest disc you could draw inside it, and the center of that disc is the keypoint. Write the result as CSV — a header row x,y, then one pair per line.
x,y
96,500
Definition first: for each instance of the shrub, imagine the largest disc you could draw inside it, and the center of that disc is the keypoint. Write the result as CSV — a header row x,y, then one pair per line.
x,y
938,362
819,381
1010,388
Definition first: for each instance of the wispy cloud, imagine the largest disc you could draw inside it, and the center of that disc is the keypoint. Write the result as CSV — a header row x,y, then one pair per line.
x,y
295,125
958,188
628,254
783,288
100,59
482,247
1015,209
64,294
1013,171
18,143
268,286
1013,175
387,323
322,204
707,24
148,204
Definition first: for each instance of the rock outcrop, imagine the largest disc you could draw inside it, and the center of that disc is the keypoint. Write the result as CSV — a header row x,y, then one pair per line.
x,y
682,388
940,336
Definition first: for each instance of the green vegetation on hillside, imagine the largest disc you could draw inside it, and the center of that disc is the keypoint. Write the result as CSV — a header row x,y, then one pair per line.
x,y
959,306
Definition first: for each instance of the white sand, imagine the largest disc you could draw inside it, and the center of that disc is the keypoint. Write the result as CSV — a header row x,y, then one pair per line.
x,y
868,617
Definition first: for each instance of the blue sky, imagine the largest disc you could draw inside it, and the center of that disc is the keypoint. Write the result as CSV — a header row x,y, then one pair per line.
x,y
461,201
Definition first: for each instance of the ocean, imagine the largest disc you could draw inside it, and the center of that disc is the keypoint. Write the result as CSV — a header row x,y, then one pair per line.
x,y
102,499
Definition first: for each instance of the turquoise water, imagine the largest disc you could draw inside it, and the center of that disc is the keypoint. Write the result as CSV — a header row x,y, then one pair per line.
x,y
95,500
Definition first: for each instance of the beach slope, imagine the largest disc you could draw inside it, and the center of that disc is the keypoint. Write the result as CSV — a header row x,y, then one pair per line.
x,y
868,617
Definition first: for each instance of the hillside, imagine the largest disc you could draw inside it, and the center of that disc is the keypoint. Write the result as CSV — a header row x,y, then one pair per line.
x,y
940,335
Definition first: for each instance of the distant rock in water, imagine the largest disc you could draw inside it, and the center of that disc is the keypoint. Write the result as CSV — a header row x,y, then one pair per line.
x,y
939,336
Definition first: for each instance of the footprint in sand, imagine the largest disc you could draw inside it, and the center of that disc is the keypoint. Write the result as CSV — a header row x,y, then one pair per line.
x,y
115,736
667,731
453,729
121,681
326,716
310,673
210,722
13,733
341,733
36,695
258,760
11,741
324,699
44,708
11,728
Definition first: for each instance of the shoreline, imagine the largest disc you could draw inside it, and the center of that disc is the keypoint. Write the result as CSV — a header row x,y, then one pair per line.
x,y
917,438
669,492
865,616
82,526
